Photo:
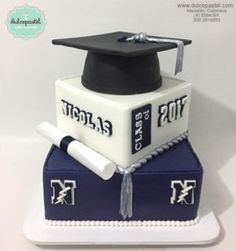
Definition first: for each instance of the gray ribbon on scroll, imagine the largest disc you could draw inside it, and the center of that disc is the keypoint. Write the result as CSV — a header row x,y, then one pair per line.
x,y
143,38
126,193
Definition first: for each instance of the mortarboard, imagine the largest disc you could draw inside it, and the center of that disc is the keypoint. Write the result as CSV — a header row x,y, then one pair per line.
x,y
119,63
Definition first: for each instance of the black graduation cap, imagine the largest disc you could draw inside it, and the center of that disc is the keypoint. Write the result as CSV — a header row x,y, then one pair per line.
x,y
114,65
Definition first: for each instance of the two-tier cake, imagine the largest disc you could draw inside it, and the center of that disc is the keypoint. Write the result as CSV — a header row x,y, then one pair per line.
x,y
124,111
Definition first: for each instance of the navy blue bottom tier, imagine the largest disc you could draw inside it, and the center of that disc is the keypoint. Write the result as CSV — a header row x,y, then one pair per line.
x,y
167,187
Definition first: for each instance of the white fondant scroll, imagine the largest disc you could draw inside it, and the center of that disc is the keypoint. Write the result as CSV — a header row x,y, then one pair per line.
x,y
94,161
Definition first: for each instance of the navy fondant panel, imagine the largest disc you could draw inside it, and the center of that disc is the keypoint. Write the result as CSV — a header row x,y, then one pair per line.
x,y
96,199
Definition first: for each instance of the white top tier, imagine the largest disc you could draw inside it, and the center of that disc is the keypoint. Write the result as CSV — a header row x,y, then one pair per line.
x,y
124,128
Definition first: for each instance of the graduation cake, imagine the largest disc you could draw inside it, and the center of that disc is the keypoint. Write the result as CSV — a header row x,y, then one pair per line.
x,y
121,153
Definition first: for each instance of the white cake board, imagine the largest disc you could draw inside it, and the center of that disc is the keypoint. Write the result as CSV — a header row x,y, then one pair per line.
x,y
35,230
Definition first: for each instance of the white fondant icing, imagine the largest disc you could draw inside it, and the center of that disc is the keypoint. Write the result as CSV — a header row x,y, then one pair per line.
x,y
138,223
114,139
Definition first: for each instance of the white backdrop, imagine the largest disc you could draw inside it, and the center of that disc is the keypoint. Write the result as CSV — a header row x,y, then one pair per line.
x,y
29,68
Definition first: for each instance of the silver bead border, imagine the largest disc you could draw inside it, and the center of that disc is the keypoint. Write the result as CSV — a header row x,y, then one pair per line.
x,y
157,151
153,223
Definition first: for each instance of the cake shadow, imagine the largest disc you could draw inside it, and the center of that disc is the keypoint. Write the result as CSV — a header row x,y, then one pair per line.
x,y
105,247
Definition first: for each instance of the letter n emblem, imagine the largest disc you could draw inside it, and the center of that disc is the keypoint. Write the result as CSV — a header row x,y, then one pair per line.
x,y
63,192
183,192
